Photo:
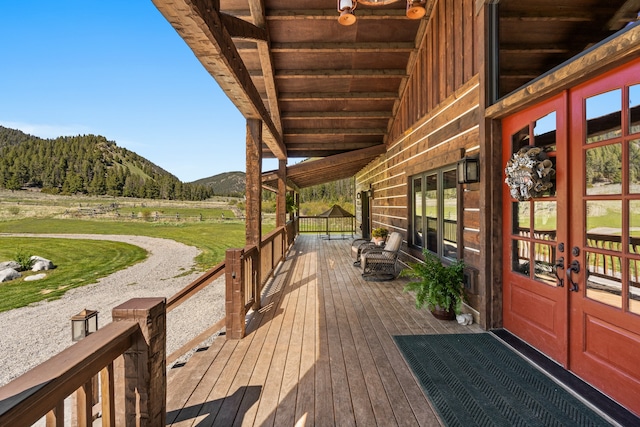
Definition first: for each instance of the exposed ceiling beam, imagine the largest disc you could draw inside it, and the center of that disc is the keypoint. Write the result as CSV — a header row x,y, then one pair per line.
x,y
347,74
363,47
554,14
319,165
241,29
199,23
627,13
347,115
541,48
338,96
266,62
334,131
332,14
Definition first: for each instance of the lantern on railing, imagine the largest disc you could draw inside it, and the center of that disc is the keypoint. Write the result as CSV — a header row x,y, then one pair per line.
x,y
84,324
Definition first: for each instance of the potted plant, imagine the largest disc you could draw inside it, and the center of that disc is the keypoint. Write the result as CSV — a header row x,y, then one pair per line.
x,y
440,287
379,235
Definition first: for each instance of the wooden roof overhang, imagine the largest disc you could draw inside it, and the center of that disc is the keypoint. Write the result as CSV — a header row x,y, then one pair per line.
x,y
323,90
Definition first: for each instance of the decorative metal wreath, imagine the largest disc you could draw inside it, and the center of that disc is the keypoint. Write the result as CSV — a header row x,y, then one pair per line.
x,y
529,173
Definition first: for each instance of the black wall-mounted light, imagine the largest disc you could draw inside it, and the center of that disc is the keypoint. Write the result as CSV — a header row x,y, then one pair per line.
x,y
468,170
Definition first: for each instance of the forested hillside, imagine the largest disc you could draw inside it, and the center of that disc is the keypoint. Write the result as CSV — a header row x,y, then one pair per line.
x,y
87,164
225,184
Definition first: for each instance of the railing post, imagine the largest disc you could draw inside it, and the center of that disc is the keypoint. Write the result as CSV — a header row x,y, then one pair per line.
x,y
234,295
141,381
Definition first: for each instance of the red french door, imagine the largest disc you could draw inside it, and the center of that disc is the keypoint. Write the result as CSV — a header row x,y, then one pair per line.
x,y
605,234
572,252
535,232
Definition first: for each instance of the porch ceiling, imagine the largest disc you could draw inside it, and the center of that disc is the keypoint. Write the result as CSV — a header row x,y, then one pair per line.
x,y
323,89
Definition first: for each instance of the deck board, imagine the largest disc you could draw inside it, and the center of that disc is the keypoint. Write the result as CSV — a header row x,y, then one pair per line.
x,y
320,352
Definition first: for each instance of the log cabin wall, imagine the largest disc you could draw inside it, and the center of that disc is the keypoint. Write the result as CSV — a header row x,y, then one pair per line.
x,y
437,122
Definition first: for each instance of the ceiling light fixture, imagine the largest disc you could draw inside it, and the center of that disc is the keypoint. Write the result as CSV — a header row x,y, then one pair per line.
x,y
346,7
416,9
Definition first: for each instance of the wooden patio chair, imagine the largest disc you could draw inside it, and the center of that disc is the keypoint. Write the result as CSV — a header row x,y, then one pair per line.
x,y
379,263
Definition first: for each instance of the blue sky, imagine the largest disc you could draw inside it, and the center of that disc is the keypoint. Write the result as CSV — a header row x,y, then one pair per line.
x,y
116,68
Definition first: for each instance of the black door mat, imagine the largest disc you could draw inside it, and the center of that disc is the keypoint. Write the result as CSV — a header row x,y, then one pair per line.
x,y
475,380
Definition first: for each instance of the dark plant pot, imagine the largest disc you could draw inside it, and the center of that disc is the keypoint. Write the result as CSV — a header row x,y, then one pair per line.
x,y
440,313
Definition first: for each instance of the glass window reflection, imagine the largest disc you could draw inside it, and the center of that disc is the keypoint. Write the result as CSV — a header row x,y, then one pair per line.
x,y
604,279
544,259
634,286
520,257
520,139
634,166
544,132
417,212
604,170
604,224
545,214
604,116
521,218
634,109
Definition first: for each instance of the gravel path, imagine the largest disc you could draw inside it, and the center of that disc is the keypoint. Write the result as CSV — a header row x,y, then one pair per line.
x,y
30,335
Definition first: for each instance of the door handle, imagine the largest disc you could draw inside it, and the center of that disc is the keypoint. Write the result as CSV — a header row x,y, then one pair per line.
x,y
559,265
574,266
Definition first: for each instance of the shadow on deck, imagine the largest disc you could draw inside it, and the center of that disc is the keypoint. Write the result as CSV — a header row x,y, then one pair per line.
x,y
319,352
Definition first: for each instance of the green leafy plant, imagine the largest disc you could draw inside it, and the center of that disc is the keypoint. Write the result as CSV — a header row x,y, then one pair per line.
x,y
436,284
380,232
23,258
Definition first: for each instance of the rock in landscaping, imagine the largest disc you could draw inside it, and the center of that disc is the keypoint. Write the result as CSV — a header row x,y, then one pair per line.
x,y
8,274
39,264
9,264
35,277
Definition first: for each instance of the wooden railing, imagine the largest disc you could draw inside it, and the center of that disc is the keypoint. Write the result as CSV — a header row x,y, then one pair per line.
x,y
327,225
129,354
124,354
247,271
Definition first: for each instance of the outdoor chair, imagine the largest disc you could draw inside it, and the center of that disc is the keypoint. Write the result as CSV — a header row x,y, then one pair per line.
x,y
357,246
379,263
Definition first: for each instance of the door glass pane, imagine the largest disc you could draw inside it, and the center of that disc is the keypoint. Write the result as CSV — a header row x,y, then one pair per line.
x,y
417,212
545,214
634,286
634,226
521,218
520,139
544,259
544,132
604,279
450,220
604,170
604,224
520,257
634,109
604,116
634,166
431,211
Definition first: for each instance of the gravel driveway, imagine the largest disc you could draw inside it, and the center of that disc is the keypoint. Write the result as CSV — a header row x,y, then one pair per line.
x,y
30,335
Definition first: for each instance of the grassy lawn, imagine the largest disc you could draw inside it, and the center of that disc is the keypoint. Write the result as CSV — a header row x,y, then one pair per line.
x,y
78,262
213,239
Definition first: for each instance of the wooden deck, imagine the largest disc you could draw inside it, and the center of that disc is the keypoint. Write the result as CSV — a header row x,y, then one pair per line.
x,y
320,352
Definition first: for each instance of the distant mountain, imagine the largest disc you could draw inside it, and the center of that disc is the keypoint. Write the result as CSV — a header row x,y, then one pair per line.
x,y
225,184
87,164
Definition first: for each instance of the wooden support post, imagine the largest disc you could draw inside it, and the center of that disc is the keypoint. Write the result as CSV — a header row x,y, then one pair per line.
x,y
140,373
253,225
281,198
234,295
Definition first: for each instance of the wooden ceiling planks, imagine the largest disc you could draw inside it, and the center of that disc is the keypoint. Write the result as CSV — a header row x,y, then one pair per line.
x,y
324,89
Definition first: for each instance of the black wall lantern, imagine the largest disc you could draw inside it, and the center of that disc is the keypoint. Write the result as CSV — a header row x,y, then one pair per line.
x,y
468,170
